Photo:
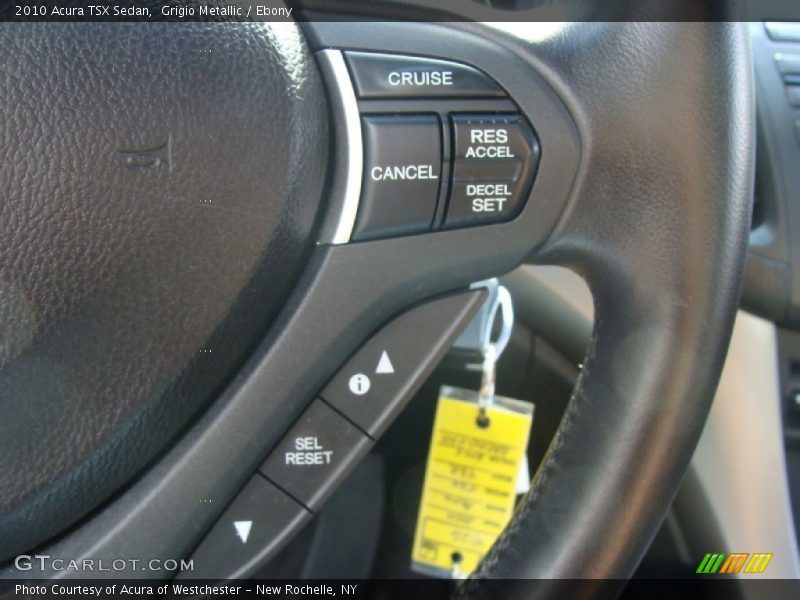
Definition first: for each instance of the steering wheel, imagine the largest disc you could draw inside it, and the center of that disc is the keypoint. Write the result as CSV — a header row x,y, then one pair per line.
x,y
184,265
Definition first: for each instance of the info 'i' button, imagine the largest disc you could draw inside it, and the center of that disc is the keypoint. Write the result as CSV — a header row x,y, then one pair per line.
x,y
317,453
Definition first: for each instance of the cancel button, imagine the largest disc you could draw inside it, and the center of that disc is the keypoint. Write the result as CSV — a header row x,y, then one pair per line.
x,y
402,172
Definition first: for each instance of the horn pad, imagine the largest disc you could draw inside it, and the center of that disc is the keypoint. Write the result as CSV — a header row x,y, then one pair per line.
x,y
159,186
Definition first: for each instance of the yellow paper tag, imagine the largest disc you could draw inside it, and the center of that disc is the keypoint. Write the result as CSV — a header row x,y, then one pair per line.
x,y
470,481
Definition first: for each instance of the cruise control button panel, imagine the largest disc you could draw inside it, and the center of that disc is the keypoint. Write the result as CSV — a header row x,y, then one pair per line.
x,y
444,147
396,76
402,170
317,453
495,159
375,384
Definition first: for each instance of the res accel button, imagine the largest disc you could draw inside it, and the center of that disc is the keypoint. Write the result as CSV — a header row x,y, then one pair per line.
x,y
397,76
317,453
494,162
402,168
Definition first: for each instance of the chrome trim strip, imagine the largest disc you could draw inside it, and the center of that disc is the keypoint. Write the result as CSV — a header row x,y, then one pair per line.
x,y
355,150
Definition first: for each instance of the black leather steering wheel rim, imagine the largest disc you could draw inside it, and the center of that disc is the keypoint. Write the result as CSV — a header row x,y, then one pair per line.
x,y
658,228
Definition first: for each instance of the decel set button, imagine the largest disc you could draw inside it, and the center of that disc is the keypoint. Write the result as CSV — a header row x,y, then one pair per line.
x,y
495,159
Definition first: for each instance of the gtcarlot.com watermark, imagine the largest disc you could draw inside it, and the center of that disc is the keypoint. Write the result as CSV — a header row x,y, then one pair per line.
x,y
31,563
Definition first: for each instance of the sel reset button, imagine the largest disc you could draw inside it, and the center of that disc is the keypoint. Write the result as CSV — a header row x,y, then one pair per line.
x,y
319,450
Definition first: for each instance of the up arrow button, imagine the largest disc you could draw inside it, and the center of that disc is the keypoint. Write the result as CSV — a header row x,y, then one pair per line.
x,y
384,364
398,359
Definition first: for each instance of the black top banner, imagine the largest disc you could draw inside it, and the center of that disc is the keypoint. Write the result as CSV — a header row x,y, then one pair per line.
x,y
390,10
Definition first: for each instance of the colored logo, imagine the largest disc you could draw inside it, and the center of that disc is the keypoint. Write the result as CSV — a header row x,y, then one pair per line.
x,y
735,562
